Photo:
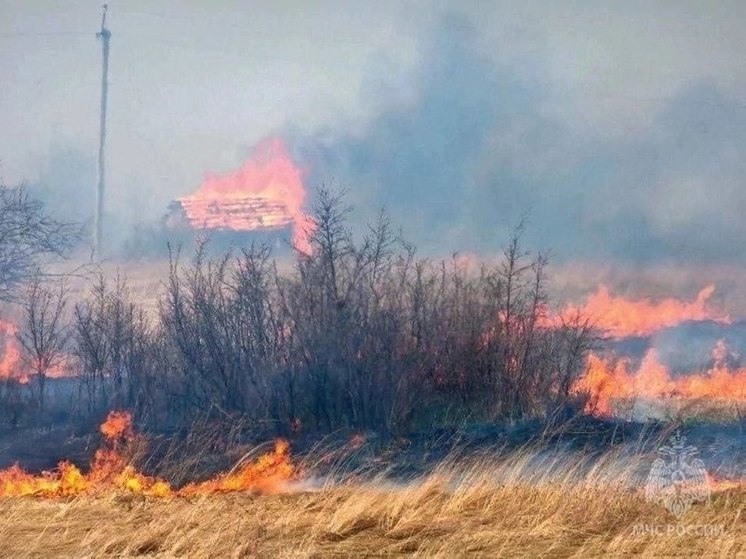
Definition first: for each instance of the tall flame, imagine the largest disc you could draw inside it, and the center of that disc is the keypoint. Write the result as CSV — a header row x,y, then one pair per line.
x,y
12,364
620,317
10,361
110,472
266,192
608,383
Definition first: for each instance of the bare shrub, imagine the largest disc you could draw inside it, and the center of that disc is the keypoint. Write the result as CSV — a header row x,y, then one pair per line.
x,y
44,334
27,234
364,334
360,333
117,348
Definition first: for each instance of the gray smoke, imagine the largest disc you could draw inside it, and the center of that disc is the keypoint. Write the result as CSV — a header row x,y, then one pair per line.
x,y
620,130
476,149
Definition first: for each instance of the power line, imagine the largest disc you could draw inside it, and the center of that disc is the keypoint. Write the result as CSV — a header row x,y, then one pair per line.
x,y
43,34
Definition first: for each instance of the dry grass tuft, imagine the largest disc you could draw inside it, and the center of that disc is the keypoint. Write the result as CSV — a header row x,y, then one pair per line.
x,y
468,511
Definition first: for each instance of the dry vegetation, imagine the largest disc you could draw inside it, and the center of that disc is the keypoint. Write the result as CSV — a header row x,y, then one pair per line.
x,y
524,503
360,333
434,517
363,336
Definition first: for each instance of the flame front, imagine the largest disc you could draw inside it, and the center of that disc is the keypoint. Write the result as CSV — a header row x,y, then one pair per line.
x,y
608,383
267,475
620,317
12,364
110,472
267,192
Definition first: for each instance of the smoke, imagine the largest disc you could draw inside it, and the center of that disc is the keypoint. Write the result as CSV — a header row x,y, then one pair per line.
x,y
689,346
488,119
424,159
476,146
65,183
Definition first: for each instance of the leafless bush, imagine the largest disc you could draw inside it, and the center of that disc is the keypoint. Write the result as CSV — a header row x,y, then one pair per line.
x,y
220,332
116,348
360,334
27,234
14,403
44,334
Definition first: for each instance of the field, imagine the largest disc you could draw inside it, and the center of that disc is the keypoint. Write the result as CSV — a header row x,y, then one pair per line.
x,y
459,510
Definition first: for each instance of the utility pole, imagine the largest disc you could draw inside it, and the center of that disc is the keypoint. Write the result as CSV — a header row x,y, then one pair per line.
x,y
104,35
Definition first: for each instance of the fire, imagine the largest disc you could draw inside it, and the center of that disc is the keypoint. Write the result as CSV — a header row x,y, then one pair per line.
x,y
267,192
109,472
267,475
608,383
620,317
118,425
10,364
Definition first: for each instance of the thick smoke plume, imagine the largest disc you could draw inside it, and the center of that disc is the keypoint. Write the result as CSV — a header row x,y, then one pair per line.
x,y
472,146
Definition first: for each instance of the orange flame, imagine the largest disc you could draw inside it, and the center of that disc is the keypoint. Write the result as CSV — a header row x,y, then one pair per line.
x,y
267,192
608,383
267,475
12,364
621,317
109,472
118,425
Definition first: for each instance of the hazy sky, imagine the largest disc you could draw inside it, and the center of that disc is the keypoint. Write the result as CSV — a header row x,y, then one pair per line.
x,y
618,127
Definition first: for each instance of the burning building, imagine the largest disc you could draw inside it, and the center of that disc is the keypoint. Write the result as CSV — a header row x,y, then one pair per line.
x,y
240,213
263,199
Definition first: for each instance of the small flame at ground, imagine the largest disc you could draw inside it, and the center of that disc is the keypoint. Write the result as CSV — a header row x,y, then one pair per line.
x,y
620,317
266,475
109,472
356,441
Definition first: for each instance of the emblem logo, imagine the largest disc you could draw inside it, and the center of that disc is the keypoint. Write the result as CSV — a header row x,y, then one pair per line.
x,y
676,480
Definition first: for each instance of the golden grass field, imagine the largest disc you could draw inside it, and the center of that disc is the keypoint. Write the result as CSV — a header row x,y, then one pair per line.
x,y
468,511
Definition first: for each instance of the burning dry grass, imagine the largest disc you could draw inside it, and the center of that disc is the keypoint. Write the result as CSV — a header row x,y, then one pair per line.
x,y
431,518
110,472
527,503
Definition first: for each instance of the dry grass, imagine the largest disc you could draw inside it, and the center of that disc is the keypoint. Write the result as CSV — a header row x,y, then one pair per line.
x,y
475,511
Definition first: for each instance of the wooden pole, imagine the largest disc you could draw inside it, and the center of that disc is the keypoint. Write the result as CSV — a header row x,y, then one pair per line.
x,y
104,35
